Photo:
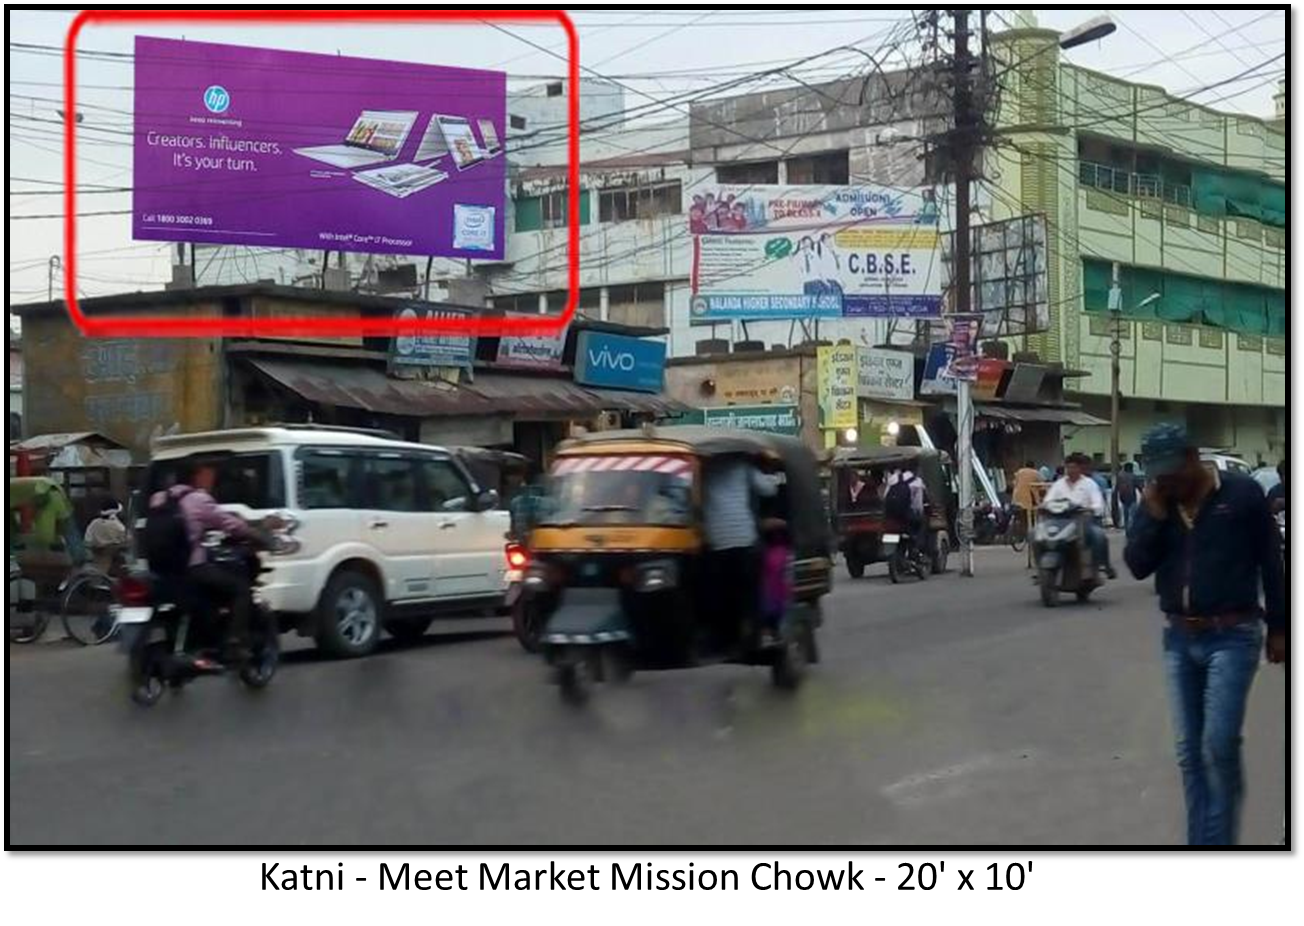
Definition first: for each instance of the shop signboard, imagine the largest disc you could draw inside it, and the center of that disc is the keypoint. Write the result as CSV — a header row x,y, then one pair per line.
x,y
771,419
837,374
885,374
615,361
532,352
432,350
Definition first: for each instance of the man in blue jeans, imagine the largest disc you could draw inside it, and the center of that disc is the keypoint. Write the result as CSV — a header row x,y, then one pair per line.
x,y
1211,543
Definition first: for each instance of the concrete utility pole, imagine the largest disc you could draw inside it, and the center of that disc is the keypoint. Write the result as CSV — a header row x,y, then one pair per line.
x,y
1115,352
963,145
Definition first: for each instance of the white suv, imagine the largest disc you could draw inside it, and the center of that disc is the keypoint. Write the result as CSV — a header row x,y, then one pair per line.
x,y
389,533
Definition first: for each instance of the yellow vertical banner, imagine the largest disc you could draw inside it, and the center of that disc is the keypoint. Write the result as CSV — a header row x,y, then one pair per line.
x,y
836,369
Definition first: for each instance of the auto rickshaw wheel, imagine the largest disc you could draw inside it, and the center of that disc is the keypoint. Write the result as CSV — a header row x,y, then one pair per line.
x,y
855,566
527,624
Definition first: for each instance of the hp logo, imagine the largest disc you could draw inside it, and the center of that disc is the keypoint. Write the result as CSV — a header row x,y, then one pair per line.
x,y
217,99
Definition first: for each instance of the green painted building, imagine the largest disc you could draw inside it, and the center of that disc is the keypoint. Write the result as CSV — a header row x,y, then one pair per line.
x,y
1190,203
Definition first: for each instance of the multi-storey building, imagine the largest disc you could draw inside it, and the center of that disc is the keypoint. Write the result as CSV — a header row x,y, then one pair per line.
x,y
1189,203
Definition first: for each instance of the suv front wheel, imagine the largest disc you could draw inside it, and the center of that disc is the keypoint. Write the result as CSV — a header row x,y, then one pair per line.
x,y
349,615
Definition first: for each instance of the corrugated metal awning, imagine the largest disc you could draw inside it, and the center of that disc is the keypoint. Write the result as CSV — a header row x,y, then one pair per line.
x,y
525,397
642,403
1049,414
535,395
367,388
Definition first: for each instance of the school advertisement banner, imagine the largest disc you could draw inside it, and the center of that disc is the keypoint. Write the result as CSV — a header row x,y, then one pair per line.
x,y
782,252
267,148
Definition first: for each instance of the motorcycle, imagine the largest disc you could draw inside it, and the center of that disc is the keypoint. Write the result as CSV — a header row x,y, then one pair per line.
x,y
171,637
905,557
1064,561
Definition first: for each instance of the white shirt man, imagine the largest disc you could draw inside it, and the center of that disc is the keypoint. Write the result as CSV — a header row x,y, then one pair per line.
x,y
1082,492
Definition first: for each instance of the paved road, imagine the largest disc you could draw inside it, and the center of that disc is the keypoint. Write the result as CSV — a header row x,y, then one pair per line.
x,y
957,711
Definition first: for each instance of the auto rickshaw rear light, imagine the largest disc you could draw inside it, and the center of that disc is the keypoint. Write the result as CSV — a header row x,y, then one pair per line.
x,y
517,556
132,591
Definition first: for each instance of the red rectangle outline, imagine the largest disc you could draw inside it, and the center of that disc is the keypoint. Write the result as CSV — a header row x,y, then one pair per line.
x,y
180,326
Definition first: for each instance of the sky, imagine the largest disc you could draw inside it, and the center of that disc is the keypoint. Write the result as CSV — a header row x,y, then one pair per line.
x,y
655,52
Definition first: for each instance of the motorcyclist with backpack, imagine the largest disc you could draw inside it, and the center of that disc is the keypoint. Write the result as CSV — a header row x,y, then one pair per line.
x,y
905,503
175,525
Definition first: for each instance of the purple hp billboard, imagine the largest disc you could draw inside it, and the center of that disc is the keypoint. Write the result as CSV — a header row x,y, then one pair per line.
x,y
285,149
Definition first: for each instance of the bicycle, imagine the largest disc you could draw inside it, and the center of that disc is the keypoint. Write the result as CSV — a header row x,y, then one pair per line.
x,y
1016,532
86,608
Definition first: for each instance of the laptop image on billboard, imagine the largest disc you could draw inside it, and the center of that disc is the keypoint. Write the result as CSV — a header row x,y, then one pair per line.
x,y
432,147
400,180
490,136
460,139
376,136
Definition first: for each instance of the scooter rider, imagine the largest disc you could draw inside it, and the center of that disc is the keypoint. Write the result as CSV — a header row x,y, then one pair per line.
x,y
192,499
1081,491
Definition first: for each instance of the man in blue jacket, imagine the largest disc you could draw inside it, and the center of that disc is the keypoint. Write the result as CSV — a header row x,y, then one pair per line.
x,y
1211,543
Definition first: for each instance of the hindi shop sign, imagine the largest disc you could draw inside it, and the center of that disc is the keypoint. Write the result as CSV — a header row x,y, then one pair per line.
x,y
770,419
254,146
614,361
534,352
885,374
432,350
815,252
836,368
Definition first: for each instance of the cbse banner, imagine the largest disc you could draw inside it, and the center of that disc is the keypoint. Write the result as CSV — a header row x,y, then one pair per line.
x,y
815,251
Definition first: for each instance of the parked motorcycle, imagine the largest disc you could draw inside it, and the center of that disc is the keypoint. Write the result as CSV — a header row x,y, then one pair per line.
x,y
171,636
1064,560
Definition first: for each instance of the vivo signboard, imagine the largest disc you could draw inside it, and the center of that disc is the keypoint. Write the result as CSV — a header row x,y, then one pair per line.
x,y
268,148
614,361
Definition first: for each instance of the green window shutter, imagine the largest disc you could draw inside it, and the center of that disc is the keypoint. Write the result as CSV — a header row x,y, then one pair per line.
x,y
584,207
529,213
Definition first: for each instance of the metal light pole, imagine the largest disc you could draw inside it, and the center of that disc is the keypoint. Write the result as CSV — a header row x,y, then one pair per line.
x,y
1115,362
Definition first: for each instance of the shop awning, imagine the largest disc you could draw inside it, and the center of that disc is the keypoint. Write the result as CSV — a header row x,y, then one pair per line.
x,y
352,386
524,396
1048,414
541,396
641,403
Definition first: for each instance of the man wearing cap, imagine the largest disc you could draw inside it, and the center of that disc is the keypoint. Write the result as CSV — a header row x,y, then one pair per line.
x,y
1211,543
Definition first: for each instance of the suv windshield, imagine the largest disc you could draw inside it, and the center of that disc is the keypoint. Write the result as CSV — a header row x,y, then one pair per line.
x,y
250,479
580,494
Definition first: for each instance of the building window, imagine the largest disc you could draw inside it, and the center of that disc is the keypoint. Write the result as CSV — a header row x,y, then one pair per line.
x,y
642,304
758,172
547,210
1205,188
516,122
555,88
642,202
832,167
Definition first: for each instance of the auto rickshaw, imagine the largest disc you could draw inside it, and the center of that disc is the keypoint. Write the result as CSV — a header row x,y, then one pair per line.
x,y
858,483
618,578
